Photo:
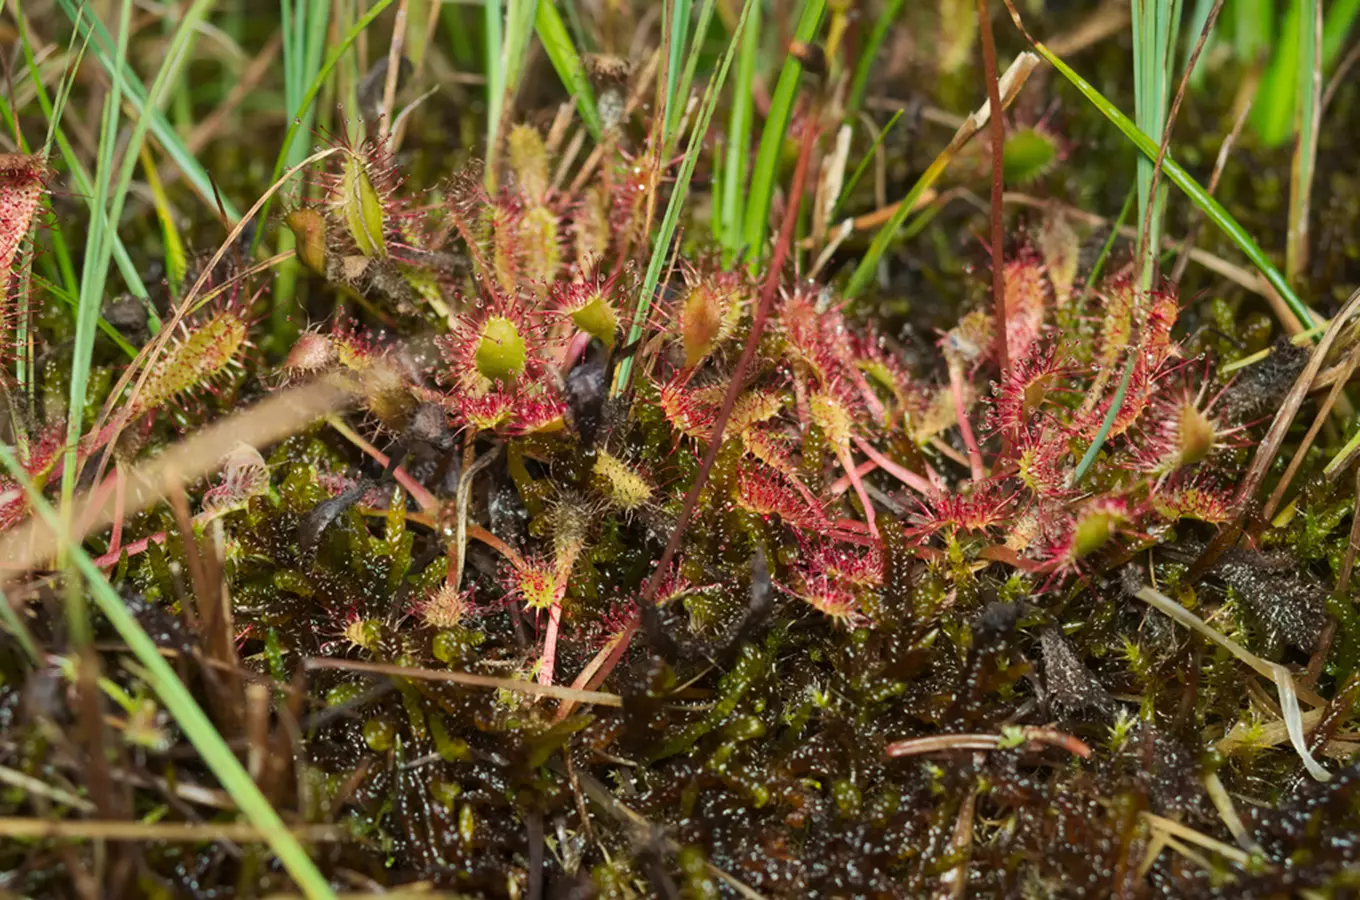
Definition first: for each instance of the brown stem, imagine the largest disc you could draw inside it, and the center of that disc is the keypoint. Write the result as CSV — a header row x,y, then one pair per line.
x,y
998,133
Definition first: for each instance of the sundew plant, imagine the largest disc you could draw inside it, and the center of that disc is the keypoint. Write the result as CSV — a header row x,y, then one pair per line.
x,y
735,448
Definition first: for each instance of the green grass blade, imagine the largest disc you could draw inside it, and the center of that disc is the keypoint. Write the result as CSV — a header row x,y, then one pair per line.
x,y
1089,457
161,129
493,29
520,20
739,136
1011,82
887,17
552,33
176,52
864,164
1211,208
766,169
295,124
1272,115
1336,28
691,65
1253,28
867,268
1093,277
1154,25
302,63
180,703
662,245
98,248
84,186
1305,151
676,37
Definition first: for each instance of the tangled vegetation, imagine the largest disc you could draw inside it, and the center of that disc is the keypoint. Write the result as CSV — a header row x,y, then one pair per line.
x,y
636,503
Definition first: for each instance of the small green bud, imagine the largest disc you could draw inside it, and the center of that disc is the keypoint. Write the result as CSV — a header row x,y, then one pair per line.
x,y
362,209
501,353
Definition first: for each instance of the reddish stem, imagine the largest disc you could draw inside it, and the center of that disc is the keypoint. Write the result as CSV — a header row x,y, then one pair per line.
x,y
998,132
848,464
549,661
966,428
902,474
748,352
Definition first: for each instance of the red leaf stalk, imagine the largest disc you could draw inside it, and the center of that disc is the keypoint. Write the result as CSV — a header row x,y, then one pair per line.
x,y
998,132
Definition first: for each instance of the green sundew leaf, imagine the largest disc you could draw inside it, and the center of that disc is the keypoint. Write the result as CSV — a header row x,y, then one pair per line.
x,y
362,208
195,724
398,541
552,33
1179,177
766,169
1028,154
661,247
136,93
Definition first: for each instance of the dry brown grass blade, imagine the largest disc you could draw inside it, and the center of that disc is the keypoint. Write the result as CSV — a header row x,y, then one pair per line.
x,y
179,832
393,71
1348,369
1109,19
1270,445
26,547
998,222
941,743
557,692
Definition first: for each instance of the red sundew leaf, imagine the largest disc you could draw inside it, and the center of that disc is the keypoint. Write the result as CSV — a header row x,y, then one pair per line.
x,y
23,180
1193,496
766,494
1026,301
985,508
